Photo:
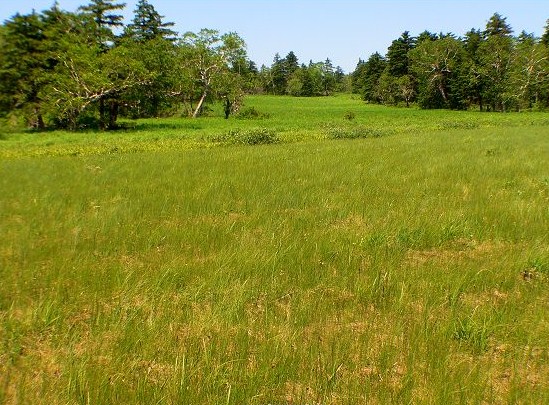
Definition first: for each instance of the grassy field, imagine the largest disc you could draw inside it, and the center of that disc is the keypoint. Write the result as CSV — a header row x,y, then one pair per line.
x,y
176,263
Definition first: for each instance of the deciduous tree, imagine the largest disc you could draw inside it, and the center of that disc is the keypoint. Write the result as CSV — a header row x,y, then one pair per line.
x,y
436,64
209,57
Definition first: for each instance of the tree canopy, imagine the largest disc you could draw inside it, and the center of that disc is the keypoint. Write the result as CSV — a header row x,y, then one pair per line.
x,y
488,69
81,69
74,70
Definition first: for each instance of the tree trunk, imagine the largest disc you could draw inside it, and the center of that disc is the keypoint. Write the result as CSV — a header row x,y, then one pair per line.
x,y
443,92
40,125
227,108
102,114
199,105
113,114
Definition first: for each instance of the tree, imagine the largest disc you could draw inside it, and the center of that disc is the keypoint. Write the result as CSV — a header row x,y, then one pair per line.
x,y
495,56
436,63
278,75
545,36
209,57
24,66
82,79
147,24
291,63
474,81
249,74
406,88
328,77
313,85
387,91
426,36
102,22
543,90
497,26
397,55
158,96
341,79
156,42
101,14
296,82
366,77
528,70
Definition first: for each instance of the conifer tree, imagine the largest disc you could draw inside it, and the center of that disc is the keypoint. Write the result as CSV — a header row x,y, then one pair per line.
x,y
147,24
366,78
497,26
104,20
24,63
495,55
545,36
397,55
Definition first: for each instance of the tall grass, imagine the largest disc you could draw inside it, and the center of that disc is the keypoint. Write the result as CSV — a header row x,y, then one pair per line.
x,y
402,269
285,119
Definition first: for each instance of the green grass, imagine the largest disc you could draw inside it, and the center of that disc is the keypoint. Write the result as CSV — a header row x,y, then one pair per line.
x,y
411,266
289,119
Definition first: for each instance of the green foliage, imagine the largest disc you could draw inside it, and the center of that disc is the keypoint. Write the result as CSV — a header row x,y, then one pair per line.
x,y
356,133
59,69
398,63
102,20
253,136
436,65
147,25
251,113
489,70
207,57
497,26
316,79
366,77
349,115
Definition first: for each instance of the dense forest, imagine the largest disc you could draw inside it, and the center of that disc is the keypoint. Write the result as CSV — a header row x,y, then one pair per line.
x,y
86,68
489,69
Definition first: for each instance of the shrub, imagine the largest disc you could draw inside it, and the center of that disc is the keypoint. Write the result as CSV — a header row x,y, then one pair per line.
x,y
254,136
251,113
354,133
350,116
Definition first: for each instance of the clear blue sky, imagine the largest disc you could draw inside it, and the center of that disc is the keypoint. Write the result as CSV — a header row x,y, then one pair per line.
x,y
343,30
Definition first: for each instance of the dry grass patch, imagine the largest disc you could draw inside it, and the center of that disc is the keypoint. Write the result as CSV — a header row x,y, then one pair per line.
x,y
459,250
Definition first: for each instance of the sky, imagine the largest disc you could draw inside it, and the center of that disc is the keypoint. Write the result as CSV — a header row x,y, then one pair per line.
x,y
342,30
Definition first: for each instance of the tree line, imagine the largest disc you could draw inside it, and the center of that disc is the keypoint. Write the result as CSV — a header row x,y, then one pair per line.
x,y
488,69
86,68
287,76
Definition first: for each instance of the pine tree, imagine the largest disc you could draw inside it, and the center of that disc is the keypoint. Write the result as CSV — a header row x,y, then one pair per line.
x,y
497,26
545,36
495,55
328,77
366,77
147,24
23,67
104,20
397,55
291,63
279,75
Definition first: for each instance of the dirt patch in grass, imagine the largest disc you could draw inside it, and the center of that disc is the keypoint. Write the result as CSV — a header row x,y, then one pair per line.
x,y
458,251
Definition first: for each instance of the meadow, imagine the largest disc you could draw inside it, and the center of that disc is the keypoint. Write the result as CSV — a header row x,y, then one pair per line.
x,y
312,251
